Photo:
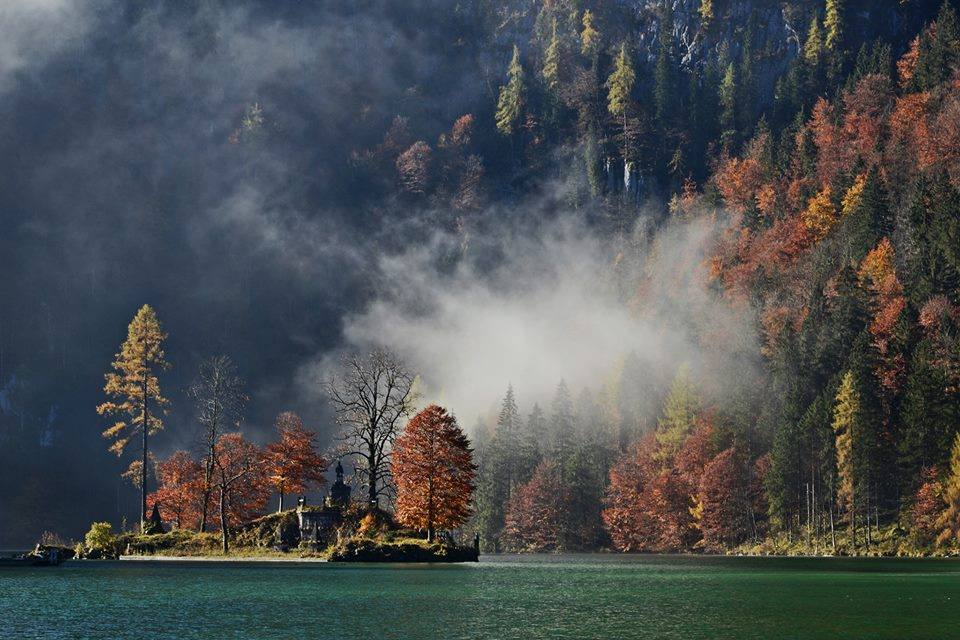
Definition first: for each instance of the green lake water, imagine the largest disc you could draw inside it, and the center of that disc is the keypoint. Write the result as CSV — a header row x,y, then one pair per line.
x,y
500,597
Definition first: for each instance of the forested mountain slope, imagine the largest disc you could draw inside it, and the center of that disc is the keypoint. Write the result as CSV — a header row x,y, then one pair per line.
x,y
775,181
831,176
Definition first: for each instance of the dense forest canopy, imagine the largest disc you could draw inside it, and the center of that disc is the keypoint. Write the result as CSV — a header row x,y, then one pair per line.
x,y
729,226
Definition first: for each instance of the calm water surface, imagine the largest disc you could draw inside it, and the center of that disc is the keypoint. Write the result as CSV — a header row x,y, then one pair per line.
x,y
501,597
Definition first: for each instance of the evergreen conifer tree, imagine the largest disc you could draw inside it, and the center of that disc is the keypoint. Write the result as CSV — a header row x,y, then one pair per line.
x,y
746,90
728,105
679,415
868,218
589,36
933,265
562,427
833,25
620,85
706,13
551,61
784,477
534,440
813,47
507,439
664,88
498,473
928,416
938,54
949,521
845,415
512,96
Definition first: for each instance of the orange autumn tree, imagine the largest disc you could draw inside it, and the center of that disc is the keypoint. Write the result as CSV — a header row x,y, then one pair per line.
x,y
820,214
434,472
292,461
878,274
651,501
630,526
534,517
928,504
180,494
724,511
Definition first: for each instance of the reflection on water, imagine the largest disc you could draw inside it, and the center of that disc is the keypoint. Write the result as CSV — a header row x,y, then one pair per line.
x,y
561,596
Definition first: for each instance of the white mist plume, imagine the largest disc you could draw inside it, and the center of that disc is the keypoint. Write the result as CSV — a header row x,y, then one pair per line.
x,y
554,308
31,31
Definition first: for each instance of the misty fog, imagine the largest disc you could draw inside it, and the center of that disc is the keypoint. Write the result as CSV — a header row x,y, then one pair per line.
x,y
555,306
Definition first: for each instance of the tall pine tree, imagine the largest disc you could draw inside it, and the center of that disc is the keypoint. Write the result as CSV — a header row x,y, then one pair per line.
x,y
510,104
620,85
134,392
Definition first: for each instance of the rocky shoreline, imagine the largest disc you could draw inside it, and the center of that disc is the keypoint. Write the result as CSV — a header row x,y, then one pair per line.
x,y
228,559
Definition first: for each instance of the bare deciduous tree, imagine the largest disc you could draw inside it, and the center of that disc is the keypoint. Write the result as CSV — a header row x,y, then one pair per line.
x,y
219,398
371,399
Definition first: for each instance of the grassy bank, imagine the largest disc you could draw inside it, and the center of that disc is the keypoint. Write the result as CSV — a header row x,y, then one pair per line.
x,y
275,537
892,541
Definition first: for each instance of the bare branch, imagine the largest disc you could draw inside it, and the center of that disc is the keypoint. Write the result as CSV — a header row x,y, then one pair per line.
x,y
371,400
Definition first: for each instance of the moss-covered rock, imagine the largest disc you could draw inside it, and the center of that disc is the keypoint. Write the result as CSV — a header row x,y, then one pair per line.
x,y
176,542
274,531
362,549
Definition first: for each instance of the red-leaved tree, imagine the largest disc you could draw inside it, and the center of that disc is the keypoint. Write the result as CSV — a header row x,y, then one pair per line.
x,y
534,518
413,167
928,505
433,471
724,507
180,492
630,527
292,461
650,507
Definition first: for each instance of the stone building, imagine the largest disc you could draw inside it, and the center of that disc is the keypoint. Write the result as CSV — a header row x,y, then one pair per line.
x,y
154,524
339,491
318,525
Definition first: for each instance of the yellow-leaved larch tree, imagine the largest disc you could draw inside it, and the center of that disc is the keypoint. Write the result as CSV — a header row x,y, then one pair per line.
x,y
133,391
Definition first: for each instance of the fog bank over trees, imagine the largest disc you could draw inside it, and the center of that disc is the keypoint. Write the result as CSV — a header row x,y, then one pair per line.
x,y
558,304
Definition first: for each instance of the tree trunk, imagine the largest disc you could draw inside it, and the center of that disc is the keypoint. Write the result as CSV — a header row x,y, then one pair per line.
x,y
280,510
833,504
816,520
145,427
833,533
876,506
223,520
853,534
207,486
430,509
372,493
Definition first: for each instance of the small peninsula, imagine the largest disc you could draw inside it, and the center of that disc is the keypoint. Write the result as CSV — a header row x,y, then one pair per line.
x,y
336,531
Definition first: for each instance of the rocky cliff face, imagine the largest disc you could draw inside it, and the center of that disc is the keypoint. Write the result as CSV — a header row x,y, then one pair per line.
x,y
777,30
774,31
